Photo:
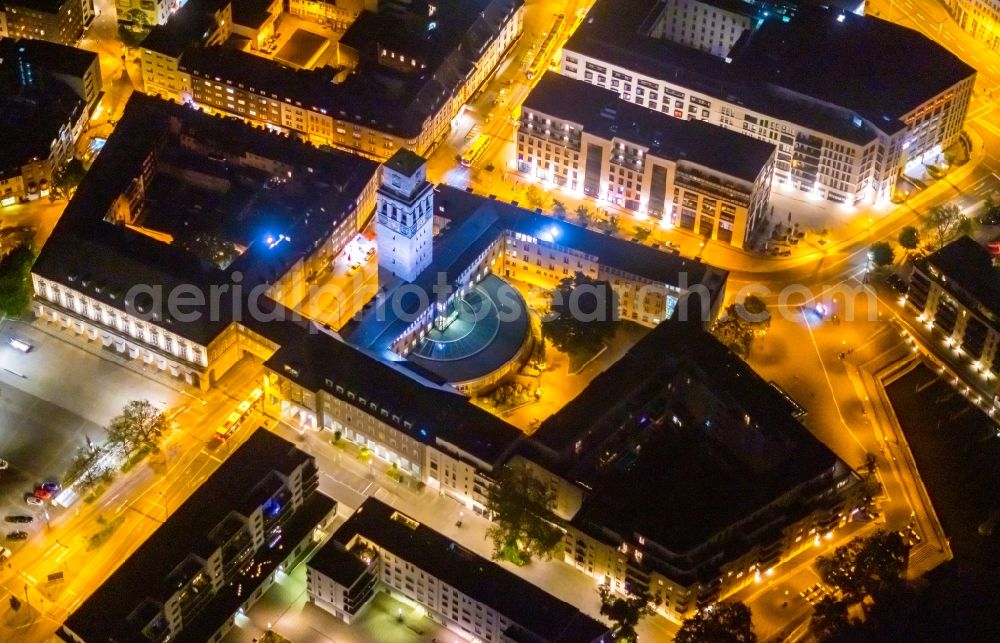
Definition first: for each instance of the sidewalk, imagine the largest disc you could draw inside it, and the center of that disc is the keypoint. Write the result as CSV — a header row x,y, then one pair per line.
x,y
847,227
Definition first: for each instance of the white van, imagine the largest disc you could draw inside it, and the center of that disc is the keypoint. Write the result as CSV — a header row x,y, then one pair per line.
x,y
20,344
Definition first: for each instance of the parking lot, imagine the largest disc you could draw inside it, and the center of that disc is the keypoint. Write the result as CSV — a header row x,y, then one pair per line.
x,y
52,399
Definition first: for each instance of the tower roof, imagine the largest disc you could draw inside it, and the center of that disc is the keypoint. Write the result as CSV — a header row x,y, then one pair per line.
x,y
405,162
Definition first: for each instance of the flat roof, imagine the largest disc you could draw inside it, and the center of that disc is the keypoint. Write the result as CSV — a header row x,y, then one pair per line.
x,y
538,612
57,58
396,102
405,162
829,54
767,81
718,443
602,113
105,615
970,266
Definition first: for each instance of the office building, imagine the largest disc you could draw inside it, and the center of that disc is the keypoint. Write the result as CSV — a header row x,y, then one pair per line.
x,y
397,79
691,174
257,517
956,291
979,18
60,21
843,134
382,549
179,200
43,110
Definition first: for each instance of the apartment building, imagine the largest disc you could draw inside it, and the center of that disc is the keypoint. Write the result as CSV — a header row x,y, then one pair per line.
x,y
257,517
956,290
382,549
370,105
42,113
691,174
77,68
60,21
693,481
979,18
842,135
135,232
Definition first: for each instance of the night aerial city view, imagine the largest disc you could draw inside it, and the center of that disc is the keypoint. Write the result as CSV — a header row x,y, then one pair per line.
x,y
499,321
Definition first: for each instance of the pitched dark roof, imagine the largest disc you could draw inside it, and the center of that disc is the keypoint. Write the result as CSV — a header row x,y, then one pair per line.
x,y
535,611
602,113
416,406
106,260
828,55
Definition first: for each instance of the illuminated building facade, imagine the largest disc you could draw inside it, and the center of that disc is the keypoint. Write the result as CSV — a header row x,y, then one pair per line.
x,y
843,135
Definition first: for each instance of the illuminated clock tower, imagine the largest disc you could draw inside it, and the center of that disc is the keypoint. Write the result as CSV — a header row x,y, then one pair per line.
x,y
405,216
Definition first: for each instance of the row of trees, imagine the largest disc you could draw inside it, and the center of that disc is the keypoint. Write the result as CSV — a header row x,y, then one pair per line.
x,y
868,572
137,430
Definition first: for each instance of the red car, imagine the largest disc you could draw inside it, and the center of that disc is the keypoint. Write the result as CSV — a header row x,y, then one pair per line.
x,y
43,494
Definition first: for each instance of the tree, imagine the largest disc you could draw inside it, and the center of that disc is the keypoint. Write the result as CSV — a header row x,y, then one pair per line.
x,y
718,623
559,208
625,611
991,211
612,225
15,280
641,234
829,619
68,178
881,254
865,565
741,323
535,197
584,215
945,223
583,315
138,427
521,506
909,238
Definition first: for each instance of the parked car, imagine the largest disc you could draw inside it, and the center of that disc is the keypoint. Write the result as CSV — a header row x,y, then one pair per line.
x,y
32,500
17,535
18,518
3,464
20,344
5,553
42,493
52,487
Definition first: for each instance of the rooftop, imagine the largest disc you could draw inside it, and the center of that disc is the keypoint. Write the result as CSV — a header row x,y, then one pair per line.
x,y
107,615
695,443
540,613
270,221
60,59
970,266
415,406
602,113
760,79
34,106
372,94
405,162
458,206
827,55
